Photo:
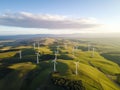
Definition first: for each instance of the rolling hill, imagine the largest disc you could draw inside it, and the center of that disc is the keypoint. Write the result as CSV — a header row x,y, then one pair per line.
x,y
94,72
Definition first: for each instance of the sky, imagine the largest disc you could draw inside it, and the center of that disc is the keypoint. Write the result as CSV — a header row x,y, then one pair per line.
x,y
59,16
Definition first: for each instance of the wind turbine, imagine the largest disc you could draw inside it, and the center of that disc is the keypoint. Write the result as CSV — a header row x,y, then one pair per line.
x,y
55,55
37,57
54,61
58,49
54,68
76,70
20,54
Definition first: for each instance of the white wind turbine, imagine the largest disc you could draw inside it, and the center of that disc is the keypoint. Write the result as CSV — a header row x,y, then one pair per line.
x,y
76,70
54,62
20,54
56,55
54,68
37,57
58,49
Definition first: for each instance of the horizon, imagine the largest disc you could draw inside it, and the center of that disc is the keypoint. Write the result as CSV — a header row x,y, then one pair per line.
x,y
74,35
59,17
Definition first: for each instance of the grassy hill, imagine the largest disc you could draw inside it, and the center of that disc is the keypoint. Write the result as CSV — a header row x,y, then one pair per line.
x,y
94,72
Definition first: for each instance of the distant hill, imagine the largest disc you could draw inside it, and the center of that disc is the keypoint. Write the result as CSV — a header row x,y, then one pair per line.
x,y
27,36
77,35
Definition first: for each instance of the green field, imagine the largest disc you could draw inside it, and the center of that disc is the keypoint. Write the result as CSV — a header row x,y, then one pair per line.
x,y
100,71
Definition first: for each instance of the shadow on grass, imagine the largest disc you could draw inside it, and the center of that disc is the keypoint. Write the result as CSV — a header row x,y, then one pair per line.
x,y
11,50
114,58
4,71
44,69
28,55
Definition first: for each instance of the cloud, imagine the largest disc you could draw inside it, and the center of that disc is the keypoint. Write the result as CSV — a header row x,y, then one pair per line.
x,y
46,21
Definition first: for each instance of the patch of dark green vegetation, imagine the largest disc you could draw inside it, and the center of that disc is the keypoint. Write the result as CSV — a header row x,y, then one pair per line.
x,y
4,71
68,84
10,50
118,79
65,57
47,57
29,78
111,56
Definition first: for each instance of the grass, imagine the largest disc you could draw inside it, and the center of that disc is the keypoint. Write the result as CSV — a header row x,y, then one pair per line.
x,y
6,48
99,62
95,73
45,50
15,79
22,47
86,73
7,54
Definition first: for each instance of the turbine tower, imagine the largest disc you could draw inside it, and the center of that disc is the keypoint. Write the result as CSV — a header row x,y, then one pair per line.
x,y
37,57
58,49
54,61
55,55
54,68
76,70
20,54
